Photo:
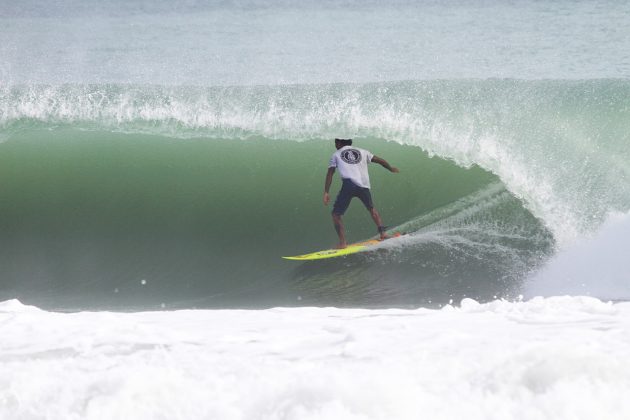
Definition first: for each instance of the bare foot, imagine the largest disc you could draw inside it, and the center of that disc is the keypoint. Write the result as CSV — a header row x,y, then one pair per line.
x,y
384,236
341,245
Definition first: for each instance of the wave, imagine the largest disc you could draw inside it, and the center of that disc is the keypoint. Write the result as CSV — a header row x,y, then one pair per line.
x,y
98,219
560,146
155,183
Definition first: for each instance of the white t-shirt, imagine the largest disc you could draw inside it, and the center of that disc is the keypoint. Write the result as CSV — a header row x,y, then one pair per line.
x,y
352,164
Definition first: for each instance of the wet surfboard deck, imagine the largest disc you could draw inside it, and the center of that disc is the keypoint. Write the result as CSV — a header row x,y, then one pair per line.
x,y
333,253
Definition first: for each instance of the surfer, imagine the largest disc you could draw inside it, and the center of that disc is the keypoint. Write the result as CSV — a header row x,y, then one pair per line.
x,y
352,164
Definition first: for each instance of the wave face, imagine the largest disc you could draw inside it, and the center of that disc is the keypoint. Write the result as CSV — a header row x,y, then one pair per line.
x,y
142,195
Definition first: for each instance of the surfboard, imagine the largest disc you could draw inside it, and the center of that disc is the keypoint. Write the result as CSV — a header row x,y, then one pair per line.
x,y
333,253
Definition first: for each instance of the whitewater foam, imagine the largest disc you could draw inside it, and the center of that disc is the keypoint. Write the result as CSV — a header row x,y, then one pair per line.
x,y
544,359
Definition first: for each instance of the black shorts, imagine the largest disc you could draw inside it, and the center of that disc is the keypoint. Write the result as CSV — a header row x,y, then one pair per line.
x,y
348,190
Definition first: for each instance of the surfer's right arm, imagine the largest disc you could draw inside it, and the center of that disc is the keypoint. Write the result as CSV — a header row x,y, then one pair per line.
x,y
329,176
384,164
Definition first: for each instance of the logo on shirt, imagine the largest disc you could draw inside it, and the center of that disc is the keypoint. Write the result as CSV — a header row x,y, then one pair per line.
x,y
351,156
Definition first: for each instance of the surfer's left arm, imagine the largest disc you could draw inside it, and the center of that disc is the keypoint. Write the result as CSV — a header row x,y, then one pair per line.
x,y
384,164
329,176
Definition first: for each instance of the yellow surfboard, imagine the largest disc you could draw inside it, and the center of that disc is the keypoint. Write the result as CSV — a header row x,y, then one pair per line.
x,y
332,253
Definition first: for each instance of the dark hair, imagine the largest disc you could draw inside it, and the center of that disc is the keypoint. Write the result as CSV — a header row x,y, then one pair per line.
x,y
344,142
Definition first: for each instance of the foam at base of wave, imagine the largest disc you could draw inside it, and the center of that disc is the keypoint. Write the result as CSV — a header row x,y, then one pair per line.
x,y
562,357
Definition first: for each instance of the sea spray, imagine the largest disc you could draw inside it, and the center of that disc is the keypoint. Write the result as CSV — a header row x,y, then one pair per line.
x,y
597,266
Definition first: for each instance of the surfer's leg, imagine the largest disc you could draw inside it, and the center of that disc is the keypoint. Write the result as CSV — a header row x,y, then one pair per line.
x,y
379,223
340,230
366,197
339,208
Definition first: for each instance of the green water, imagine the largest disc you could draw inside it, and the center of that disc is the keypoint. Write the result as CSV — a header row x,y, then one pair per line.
x,y
103,219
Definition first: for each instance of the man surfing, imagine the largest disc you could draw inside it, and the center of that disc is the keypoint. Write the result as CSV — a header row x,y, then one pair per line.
x,y
352,164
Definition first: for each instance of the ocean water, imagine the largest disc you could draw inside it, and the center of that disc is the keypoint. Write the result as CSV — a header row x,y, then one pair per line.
x,y
160,157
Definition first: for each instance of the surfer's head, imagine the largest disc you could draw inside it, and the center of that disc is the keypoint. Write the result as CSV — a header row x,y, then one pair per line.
x,y
339,143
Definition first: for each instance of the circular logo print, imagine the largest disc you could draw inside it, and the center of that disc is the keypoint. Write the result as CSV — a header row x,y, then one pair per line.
x,y
351,156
